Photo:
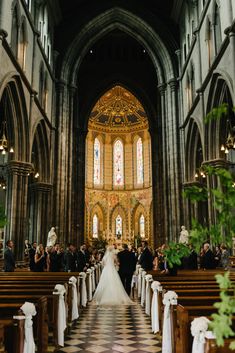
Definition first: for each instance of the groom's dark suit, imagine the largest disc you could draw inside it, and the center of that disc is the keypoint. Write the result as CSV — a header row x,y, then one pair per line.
x,y
127,264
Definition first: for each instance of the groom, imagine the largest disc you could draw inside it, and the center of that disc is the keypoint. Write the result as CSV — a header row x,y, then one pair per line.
x,y
127,264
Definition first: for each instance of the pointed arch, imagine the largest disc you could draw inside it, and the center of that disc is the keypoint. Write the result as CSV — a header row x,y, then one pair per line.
x,y
99,214
139,161
119,213
97,161
138,214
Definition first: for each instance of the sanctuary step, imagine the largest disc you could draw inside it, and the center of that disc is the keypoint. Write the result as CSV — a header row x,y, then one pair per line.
x,y
125,329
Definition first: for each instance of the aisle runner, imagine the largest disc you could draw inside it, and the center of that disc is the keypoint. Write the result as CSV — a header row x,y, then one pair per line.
x,y
120,330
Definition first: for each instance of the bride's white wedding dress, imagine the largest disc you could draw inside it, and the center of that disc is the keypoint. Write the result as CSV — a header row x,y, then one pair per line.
x,y
110,290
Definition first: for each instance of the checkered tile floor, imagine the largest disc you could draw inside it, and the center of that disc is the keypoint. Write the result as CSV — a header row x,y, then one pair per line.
x,y
116,330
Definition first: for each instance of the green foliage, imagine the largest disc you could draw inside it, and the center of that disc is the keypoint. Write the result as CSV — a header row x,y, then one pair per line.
x,y
196,193
100,243
175,252
217,113
3,218
222,321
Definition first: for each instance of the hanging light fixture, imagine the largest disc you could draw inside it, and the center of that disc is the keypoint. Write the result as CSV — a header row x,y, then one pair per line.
x,y
230,140
200,173
4,144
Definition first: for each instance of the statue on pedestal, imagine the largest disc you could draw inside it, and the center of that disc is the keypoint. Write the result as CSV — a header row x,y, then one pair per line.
x,y
51,238
183,236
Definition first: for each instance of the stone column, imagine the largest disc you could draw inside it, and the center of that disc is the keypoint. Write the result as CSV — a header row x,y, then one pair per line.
x,y
174,161
16,209
78,204
232,43
40,208
164,228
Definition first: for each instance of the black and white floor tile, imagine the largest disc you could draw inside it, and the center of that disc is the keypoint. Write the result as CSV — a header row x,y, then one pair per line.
x,y
114,330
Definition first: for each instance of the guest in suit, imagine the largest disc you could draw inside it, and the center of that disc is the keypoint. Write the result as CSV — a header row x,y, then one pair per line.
x,y
127,262
9,260
56,258
82,259
71,259
208,259
32,252
146,258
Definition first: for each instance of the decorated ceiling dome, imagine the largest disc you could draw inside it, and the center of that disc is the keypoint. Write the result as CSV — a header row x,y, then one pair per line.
x,y
118,110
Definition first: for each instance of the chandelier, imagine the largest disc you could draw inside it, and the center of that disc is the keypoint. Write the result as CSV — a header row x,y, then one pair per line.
x,y
230,140
200,173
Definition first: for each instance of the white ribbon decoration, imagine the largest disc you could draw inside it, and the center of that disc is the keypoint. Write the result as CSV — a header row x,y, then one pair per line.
x,y
170,298
96,274
199,331
140,281
142,300
29,311
82,275
89,273
93,278
60,290
75,314
156,287
148,279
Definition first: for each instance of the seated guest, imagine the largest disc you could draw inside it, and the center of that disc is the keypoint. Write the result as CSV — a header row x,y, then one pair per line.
x,y
9,260
146,258
41,259
207,260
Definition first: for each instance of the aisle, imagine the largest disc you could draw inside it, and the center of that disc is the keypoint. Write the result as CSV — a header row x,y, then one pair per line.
x,y
119,330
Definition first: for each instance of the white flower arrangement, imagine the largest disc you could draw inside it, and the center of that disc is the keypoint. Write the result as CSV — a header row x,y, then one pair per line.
x,y
199,326
170,298
148,278
73,280
156,286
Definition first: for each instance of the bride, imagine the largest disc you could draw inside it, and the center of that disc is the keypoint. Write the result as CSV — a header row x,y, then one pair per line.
x,y
110,290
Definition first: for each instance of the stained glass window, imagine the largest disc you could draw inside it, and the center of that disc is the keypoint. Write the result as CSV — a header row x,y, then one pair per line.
x,y
142,226
97,162
118,163
119,225
95,226
139,161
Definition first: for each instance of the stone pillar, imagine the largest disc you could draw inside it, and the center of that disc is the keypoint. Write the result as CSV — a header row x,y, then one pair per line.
x,y
3,13
165,230
16,209
175,204
78,204
40,211
232,43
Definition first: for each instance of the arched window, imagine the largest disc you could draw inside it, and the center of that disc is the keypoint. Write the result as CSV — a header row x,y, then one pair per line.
x,y
142,226
119,225
95,226
118,163
96,162
218,36
15,31
139,161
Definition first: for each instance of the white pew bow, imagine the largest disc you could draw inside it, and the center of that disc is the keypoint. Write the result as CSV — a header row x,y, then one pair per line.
x,y
156,287
29,311
140,281
89,273
199,327
93,278
60,290
142,300
148,279
170,298
82,275
73,281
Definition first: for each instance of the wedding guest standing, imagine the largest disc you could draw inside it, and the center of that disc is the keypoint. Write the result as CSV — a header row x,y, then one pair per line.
x,y
9,260
127,264
146,258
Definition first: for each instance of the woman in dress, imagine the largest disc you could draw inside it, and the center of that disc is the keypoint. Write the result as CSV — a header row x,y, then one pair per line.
x,y
110,290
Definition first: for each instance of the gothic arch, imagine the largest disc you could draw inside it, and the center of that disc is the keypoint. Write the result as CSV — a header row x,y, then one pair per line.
x,y
17,120
194,150
100,212
118,18
137,212
220,92
40,152
119,210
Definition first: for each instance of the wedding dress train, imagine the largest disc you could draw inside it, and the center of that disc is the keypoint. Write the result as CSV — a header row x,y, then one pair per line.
x,y
110,290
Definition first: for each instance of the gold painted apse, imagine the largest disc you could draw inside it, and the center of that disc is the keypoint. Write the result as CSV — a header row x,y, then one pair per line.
x,y
118,115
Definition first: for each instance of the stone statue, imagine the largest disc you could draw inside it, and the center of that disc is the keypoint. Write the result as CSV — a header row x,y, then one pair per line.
x,y
183,235
51,238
